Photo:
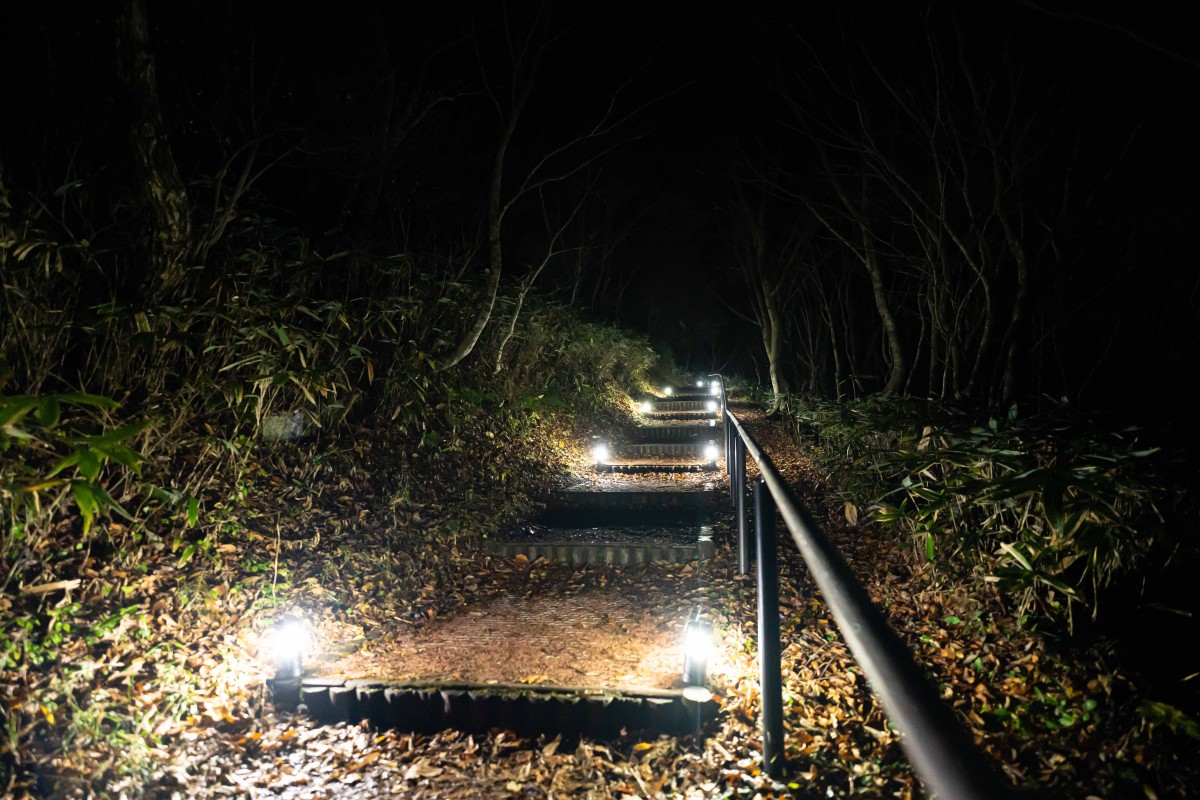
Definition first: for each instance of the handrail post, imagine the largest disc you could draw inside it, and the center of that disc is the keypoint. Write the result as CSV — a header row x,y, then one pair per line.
x,y
768,630
738,481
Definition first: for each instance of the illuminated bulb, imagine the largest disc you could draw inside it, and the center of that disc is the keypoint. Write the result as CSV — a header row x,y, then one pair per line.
x,y
600,453
289,641
699,384
647,408
711,452
697,648
667,391
714,388
711,405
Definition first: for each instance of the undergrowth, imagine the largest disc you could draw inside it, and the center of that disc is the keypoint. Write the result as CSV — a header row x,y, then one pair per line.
x,y
152,526
1048,506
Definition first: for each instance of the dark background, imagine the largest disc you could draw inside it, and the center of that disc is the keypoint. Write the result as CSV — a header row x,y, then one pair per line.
x,y
309,85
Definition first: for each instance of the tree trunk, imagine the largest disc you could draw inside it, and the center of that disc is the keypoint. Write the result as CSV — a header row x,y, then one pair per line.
x,y
159,185
773,342
495,253
898,368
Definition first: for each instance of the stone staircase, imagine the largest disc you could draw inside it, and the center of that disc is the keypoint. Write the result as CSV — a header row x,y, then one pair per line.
x,y
653,498
637,514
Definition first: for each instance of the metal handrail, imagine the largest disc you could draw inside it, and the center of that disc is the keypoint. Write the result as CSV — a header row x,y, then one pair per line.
x,y
936,745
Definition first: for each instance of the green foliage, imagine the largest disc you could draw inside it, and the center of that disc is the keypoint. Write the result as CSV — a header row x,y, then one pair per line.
x,y
1051,510
47,456
106,398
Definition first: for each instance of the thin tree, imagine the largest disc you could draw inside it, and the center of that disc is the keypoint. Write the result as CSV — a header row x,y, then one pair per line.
x,y
555,166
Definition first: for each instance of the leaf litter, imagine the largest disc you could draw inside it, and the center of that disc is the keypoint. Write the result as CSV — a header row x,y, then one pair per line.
x,y
187,662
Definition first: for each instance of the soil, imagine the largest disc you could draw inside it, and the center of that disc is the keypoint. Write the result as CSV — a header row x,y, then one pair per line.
x,y
594,638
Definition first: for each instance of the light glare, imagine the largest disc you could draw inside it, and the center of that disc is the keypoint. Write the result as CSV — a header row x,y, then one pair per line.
x,y
647,408
600,453
289,642
667,391
697,644
711,452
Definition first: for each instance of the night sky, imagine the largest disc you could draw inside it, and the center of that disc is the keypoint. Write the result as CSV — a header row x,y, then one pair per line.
x,y
307,83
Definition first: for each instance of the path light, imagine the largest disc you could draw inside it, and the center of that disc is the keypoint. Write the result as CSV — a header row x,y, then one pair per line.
x,y
711,452
714,388
667,390
711,405
289,641
647,407
699,384
697,648
600,453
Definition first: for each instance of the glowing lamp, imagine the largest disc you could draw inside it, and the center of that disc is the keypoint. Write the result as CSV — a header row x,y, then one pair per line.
x,y
647,407
289,641
699,384
667,390
600,453
714,388
711,405
697,648
711,452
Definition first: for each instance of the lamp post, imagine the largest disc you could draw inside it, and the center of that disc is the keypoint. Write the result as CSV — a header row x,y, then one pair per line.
x,y
287,644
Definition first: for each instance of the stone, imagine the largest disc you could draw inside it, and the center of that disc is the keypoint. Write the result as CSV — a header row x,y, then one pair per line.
x,y
284,427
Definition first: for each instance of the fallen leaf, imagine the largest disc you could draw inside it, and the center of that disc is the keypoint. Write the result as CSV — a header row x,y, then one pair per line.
x,y
422,769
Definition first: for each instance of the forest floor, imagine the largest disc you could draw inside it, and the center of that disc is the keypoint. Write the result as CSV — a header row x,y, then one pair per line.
x,y
1056,721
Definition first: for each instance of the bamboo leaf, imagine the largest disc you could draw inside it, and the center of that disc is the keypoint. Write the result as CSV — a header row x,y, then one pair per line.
x,y
49,411
85,499
1016,555
69,461
89,465
93,400
13,408
119,434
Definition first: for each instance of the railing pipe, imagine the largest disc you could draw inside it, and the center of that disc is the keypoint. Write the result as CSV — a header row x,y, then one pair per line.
x,y
935,743
769,644
738,483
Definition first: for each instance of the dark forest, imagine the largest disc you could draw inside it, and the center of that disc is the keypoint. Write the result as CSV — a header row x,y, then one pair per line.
x,y
299,306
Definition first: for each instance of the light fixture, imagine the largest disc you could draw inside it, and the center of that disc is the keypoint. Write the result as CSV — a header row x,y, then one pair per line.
x,y
699,384
711,452
714,388
711,405
667,390
647,407
289,641
600,453
697,648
